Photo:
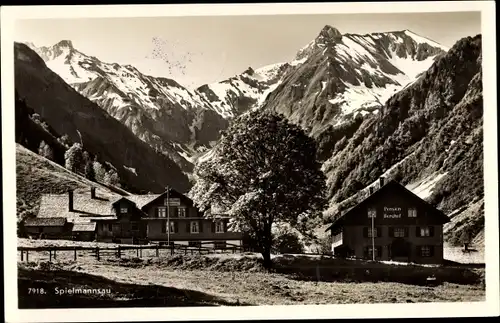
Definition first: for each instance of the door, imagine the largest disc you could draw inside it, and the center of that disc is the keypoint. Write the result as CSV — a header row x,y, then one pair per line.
x,y
400,249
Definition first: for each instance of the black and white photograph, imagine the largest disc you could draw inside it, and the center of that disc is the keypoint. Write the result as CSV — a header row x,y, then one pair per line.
x,y
301,156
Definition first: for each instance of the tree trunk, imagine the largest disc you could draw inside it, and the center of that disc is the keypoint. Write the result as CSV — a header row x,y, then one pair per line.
x,y
266,254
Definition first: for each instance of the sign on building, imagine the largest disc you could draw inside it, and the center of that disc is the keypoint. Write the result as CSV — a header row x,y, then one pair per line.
x,y
392,212
173,202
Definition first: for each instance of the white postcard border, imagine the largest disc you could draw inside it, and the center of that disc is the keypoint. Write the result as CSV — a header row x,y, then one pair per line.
x,y
490,307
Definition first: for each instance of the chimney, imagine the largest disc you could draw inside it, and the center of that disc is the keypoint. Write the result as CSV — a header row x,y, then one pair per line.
x,y
92,192
70,200
381,181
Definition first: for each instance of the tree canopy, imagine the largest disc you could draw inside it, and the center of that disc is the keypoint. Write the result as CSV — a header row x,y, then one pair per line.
x,y
262,171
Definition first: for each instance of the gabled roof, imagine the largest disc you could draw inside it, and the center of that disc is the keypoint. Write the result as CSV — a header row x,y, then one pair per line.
x,y
123,198
147,202
86,209
142,200
391,184
43,222
87,227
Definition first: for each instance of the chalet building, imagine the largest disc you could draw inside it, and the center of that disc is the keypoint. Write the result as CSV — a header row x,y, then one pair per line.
x,y
394,224
163,218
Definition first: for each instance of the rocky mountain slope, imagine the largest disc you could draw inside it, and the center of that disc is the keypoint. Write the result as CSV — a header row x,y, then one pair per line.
x,y
161,112
67,112
347,75
428,136
245,91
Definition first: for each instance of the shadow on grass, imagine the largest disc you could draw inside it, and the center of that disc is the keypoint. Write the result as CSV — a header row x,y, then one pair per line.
x,y
31,281
342,270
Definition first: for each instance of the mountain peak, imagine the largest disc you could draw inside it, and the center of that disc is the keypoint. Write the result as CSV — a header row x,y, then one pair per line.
x,y
65,43
330,32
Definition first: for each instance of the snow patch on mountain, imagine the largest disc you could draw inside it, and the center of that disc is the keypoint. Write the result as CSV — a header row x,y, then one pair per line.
x,y
423,188
422,40
131,169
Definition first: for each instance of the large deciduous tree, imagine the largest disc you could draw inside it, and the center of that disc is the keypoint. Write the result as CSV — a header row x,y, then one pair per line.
x,y
262,171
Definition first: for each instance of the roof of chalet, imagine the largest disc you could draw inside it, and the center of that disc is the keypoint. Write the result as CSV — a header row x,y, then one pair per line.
x,y
141,200
86,209
80,227
392,183
52,205
42,222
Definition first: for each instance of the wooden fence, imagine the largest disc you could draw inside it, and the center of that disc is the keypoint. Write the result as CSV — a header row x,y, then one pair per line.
x,y
121,251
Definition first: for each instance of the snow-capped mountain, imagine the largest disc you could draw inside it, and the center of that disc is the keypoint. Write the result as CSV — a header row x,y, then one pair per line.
x,y
342,76
65,112
245,91
161,112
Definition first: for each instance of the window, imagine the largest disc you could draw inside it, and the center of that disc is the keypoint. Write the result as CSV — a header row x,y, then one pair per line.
x,y
181,212
425,231
399,232
162,212
372,233
123,210
426,251
219,227
134,226
369,252
195,227
368,233
412,212
172,227
372,213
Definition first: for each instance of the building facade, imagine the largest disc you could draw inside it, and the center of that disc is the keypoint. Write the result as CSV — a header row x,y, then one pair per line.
x,y
170,217
392,223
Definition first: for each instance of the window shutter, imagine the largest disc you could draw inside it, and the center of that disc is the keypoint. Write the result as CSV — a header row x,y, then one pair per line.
x,y
431,231
418,232
186,212
391,232
163,227
379,232
365,232
213,226
419,250
379,251
431,251
200,226
176,227
225,226
188,228
406,232
156,212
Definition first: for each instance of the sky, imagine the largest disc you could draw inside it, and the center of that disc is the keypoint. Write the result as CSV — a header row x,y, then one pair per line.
x,y
206,49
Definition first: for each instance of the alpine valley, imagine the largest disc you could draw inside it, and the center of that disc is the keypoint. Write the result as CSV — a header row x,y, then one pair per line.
x,y
395,104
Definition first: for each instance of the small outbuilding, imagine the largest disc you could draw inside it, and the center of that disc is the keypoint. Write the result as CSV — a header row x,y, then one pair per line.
x,y
84,231
46,227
